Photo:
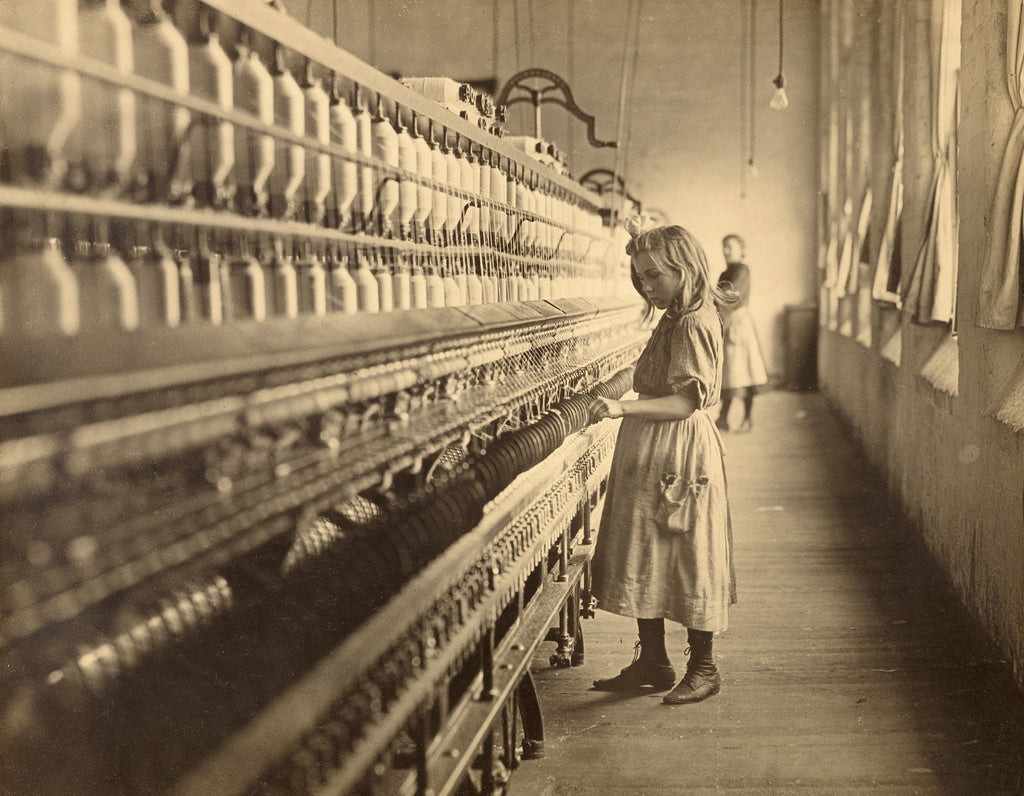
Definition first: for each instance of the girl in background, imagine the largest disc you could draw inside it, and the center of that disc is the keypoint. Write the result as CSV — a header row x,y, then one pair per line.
x,y
743,368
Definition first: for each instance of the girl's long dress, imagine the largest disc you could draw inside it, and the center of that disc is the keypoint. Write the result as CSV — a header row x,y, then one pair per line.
x,y
665,543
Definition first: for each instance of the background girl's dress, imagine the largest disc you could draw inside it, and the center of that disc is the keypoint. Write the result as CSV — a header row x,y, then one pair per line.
x,y
665,542
742,361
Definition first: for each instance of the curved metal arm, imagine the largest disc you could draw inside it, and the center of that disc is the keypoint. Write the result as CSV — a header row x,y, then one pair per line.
x,y
536,98
602,180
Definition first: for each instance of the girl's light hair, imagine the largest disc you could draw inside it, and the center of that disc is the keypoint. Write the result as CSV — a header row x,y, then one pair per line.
x,y
674,248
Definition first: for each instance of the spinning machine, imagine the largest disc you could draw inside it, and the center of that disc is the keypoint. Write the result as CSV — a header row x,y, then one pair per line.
x,y
295,468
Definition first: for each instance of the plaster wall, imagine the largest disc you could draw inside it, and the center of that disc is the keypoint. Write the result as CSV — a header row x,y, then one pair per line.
x,y
956,470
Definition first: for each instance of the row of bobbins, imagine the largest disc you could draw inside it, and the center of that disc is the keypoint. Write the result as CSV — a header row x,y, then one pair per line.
x,y
433,218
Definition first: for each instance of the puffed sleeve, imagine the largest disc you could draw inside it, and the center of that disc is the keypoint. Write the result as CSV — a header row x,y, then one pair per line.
x,y
695,353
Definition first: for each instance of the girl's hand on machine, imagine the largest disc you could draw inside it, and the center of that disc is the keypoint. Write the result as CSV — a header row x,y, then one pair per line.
x,y
605,407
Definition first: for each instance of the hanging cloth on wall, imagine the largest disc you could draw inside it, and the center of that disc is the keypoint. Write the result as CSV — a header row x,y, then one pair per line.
x,y
848,179
930,293
832,257
846,253
836,205
861,240
858,147
888,266
854,244
999,301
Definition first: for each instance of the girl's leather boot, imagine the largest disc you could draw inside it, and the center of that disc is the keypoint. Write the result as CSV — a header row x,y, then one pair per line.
x,y
702,678
650,666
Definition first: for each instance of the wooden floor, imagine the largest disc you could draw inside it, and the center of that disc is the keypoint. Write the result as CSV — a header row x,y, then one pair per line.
x,y
847,668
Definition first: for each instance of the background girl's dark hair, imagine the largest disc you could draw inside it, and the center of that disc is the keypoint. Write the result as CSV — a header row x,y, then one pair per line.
x,y
737,238
674,248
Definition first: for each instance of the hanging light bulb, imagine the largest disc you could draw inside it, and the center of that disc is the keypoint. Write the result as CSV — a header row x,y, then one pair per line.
x,y
779,99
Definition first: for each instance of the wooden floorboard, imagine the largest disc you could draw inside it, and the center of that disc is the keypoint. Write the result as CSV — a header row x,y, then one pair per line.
x,y
848,667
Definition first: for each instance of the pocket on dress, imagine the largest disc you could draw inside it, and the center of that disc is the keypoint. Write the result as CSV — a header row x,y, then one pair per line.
x,y
682,501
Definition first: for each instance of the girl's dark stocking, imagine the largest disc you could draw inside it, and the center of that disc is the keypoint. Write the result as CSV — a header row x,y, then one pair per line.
x,y
652,641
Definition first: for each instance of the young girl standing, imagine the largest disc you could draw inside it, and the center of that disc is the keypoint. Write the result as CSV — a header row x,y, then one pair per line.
x,y
743,368
664,550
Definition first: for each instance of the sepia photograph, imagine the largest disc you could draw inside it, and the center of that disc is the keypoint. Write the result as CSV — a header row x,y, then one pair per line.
x,y
490,397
